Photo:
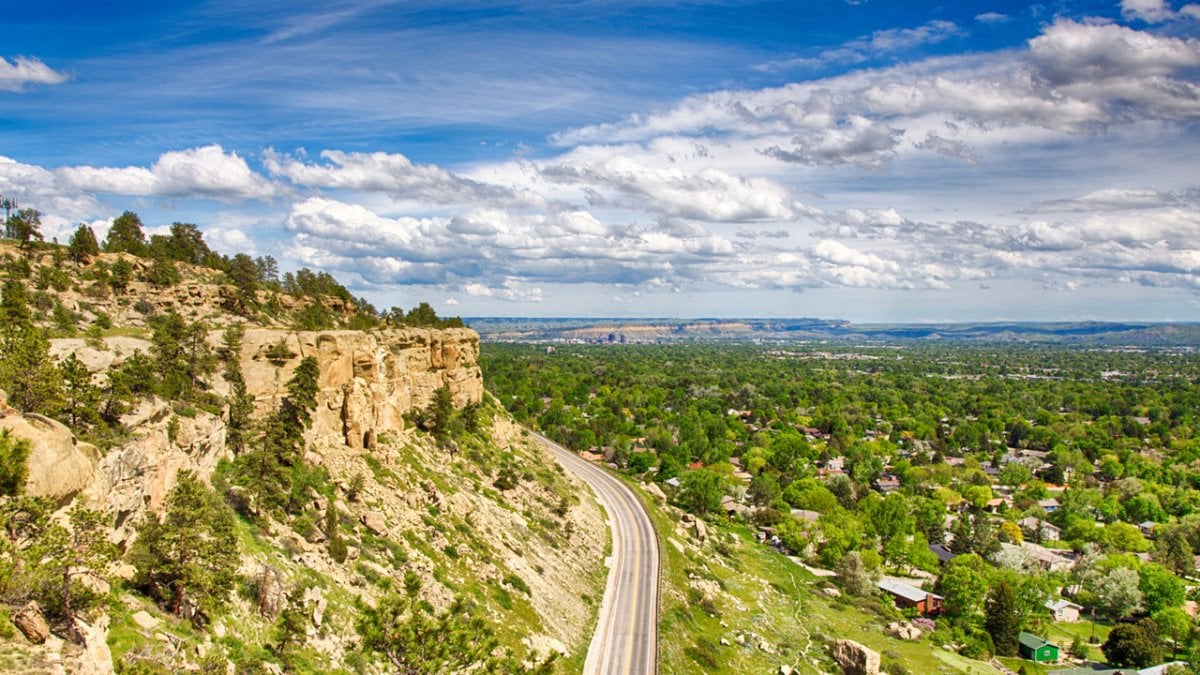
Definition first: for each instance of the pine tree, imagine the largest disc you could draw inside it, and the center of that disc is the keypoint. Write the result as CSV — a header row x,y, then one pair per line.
x,y
83,245
81,398
14,464
25,226
288,633
241,403
417,640
27,373
126,236
14,306
1003,618
120,274
190,554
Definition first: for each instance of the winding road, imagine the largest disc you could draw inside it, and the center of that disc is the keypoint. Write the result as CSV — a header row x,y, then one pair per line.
x,y
626,639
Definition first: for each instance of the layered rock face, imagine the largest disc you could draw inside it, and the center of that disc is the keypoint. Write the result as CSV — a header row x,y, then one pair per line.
x,y
368,381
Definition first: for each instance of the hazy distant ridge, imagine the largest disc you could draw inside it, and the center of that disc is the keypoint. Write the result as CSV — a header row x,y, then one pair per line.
x,y
806,329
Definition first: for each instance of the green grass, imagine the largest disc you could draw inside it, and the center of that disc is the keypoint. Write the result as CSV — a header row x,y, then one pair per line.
x,y
765,593
1030,667
1065,633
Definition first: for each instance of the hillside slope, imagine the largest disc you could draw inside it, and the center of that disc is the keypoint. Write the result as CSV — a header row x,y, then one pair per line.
x,y
474,511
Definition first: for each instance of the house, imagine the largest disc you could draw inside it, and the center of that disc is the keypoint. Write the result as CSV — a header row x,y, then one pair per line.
x,y
887,483
997,504
1036,649
732,507
1147,527
1064,610
1049,505
1032,526
1045,558
673,482
907,596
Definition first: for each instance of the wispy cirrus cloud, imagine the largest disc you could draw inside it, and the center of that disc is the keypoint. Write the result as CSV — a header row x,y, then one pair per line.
x,y
878,43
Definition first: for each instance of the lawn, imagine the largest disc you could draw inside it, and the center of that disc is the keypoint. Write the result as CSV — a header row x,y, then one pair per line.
x,y
1065,633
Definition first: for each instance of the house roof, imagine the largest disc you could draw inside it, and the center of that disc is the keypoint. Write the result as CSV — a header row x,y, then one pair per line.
x,y
944,554
899,588
1031,641
1060,604
1101,670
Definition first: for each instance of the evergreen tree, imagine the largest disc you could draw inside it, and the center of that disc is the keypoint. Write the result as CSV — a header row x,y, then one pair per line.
x,y
14,464
244,275
81,398
25,225
69,554
14,306
83,245
288,633
241,403
1002,618
126,236
417,640
163,273
27,373
120,274
190,554
181,354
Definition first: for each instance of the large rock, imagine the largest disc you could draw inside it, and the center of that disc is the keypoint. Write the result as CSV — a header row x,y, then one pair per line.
x,y
32,623
368,380
95,657
59,467
856,659
374,521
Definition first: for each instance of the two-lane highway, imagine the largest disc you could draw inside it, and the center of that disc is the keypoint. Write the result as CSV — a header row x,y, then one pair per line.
x,y
626,639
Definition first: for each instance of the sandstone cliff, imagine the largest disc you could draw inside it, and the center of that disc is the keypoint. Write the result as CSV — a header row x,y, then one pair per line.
x,y
369,380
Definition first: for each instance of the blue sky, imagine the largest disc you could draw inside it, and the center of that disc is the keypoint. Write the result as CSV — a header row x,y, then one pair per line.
x,y
885,161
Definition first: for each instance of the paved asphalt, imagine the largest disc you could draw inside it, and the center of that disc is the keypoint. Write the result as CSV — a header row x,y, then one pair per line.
x,y
626,639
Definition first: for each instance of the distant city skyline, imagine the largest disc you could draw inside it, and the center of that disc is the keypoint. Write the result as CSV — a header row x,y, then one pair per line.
x,y
854,159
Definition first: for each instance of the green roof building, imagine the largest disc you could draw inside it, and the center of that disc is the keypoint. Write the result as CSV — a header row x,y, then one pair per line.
x,y
1037,649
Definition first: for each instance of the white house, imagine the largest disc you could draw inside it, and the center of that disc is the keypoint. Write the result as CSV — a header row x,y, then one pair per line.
x,y
1064,610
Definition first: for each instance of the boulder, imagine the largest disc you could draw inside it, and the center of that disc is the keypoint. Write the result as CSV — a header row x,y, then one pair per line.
x,y
855,658
95,657
701,530
59,467
653,490
145,621
32,623
374,521
903,630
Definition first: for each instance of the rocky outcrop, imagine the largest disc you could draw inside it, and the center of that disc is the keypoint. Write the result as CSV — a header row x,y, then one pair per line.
x,y
59,467
368,380
856,659
138,475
